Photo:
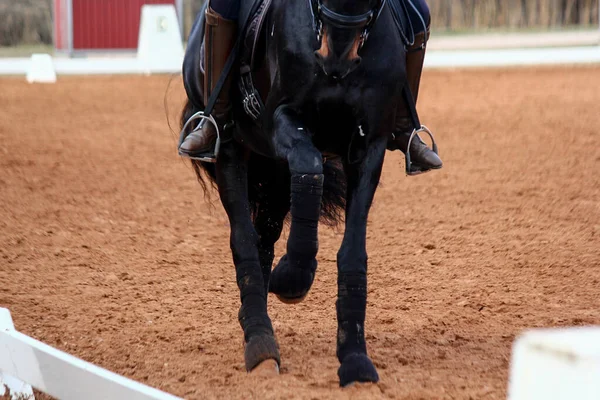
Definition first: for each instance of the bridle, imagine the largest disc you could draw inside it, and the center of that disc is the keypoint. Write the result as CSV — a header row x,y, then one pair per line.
x,y
323,15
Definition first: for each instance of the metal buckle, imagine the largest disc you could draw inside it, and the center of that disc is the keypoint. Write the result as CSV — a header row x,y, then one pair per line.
x,y
319,31
363,38
251,102
410,170
252,106
201,116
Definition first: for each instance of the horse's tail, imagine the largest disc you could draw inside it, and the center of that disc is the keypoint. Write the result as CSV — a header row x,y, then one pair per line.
x,y
334,192
260,169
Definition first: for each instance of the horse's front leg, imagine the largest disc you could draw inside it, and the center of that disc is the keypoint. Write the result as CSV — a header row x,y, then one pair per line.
x,y
260,343
294,274
351,304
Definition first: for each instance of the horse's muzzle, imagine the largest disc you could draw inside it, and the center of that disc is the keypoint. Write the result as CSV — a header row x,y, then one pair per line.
x,y
337,69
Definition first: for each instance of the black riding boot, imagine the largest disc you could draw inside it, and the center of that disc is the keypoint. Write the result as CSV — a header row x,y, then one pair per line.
x,y
422,157
219,39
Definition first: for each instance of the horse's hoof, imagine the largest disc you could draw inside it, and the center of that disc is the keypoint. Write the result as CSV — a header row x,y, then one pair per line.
x,y
291,284
267,368
294,300
259,350
357,367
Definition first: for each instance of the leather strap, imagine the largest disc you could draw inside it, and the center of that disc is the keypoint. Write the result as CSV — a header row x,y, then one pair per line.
x,y
402,20
212,100
411,106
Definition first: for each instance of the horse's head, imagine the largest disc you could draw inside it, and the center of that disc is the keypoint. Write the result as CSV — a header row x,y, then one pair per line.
x,y
343,28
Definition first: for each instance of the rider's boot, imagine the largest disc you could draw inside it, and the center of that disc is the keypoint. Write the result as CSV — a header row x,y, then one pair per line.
x,y
220,36
422,157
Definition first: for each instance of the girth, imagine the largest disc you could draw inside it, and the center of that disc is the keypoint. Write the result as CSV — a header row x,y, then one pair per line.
x,y
251,99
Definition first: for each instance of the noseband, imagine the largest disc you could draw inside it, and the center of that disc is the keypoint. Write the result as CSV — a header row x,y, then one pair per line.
x,y
323,15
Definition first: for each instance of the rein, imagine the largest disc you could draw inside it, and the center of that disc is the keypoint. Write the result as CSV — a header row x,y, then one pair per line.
x,y
323,15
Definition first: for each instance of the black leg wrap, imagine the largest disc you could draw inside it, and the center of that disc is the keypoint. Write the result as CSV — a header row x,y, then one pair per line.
x,y
253,315
294,274
351,306
351,346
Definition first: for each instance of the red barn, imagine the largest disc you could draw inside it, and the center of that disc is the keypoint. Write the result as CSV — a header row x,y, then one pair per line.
x,y
84,25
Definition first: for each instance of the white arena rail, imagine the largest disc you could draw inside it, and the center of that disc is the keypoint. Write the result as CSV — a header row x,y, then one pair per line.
x,y
26,360
556,364
547,364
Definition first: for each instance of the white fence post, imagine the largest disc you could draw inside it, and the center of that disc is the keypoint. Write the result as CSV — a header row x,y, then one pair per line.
x,y
61,375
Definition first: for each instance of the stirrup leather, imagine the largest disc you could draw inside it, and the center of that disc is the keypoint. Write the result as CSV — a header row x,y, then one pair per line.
x,y
203,117
410,168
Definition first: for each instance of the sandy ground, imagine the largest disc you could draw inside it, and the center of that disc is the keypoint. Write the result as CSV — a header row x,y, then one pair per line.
x,y
109,251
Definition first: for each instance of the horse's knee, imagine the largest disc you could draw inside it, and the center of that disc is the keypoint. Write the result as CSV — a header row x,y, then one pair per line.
x,y
304,158
294,145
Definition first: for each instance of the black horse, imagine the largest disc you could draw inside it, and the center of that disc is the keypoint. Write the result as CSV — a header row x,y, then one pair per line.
x,y
330,76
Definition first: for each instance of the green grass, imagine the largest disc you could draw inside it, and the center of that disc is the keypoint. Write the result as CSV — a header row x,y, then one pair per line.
x,y
25,50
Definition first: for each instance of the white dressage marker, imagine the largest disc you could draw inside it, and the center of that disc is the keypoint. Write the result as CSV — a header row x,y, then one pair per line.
x,y
60,374
41,69
553,364
160,48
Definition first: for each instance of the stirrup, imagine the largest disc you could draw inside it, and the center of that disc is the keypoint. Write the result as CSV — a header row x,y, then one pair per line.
x,y
201,157
412,170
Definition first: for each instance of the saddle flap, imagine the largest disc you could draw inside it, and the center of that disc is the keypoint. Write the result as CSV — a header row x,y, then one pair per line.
x,y
249,57
253,33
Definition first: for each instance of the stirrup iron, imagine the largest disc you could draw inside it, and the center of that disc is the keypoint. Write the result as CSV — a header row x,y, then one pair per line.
x,y
410,169
203,117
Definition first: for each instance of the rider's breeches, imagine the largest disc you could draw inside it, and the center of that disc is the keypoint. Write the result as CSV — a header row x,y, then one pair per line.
x,y
420,17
